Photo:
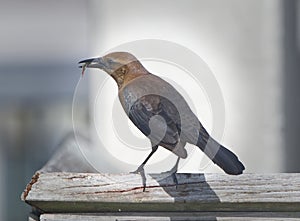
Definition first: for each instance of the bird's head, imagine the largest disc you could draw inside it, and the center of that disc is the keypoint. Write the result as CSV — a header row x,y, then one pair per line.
x,y
109,63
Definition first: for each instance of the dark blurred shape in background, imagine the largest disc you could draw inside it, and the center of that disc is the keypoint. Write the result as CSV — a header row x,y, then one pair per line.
x,y
41,43
291,80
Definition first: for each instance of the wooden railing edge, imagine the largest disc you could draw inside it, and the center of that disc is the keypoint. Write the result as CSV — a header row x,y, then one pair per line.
x,y
96,192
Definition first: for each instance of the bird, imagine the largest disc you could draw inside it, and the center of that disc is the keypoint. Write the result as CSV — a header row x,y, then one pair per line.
x,y
160,112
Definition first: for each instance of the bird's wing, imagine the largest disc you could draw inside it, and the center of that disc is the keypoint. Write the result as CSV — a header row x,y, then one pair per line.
x,y
152,115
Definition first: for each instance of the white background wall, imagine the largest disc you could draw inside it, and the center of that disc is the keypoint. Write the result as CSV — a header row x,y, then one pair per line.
x,y
240,42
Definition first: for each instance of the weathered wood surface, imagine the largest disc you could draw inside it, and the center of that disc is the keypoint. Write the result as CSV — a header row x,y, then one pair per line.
x,y
199,216
87,193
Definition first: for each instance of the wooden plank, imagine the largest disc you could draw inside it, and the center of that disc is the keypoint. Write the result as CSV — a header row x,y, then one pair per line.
x,y
84,192
201,216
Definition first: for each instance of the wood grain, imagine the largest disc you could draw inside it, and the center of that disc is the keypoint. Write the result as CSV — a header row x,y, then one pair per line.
x,y
91,192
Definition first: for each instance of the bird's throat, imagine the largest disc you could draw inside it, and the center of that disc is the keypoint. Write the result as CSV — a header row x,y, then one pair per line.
x,y
119,77
127,73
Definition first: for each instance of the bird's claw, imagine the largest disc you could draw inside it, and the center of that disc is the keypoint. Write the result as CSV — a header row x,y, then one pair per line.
x,y
140,170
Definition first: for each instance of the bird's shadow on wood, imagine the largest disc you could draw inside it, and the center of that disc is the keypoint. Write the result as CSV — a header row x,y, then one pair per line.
x,y
191,193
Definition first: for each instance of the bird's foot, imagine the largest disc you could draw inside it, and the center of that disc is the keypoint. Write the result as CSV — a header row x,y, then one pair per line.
x,y
140,170
171,174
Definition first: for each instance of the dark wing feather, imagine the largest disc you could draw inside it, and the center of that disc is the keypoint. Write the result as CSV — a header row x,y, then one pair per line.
x,y
153,112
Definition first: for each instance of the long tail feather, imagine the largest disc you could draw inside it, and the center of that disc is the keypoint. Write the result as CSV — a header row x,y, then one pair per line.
x,y
219,154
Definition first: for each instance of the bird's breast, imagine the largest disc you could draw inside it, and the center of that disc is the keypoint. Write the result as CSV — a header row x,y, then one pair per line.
x,y
148,85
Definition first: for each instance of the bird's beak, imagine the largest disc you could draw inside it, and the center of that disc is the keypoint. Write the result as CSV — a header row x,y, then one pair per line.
x,y
91,63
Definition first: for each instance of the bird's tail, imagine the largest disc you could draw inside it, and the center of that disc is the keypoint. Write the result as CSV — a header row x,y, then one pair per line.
x,y
219,154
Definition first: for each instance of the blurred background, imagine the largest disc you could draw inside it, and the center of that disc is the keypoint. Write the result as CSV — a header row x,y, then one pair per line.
x,y
252,47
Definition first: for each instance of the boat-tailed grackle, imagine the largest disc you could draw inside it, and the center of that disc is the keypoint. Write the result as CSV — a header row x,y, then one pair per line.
x,y
160,112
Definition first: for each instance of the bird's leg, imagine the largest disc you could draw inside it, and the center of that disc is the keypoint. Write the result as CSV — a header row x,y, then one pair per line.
x,y
141,167
141,170
174,171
